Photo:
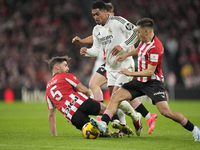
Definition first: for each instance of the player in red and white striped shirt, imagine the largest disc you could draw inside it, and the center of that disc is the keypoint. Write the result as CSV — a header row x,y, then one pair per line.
x,y
150,53
70,97
148,81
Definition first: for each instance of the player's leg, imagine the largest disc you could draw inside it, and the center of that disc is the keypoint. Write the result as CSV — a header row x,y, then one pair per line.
x,y
95,84
126,107
135,88
97,80
116,98
165,110
119,112
93,107
150,117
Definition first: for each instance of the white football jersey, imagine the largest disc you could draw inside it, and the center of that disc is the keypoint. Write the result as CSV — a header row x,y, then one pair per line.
x,y
116,31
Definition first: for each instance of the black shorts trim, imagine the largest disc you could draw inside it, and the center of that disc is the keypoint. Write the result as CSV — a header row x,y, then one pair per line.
x,y
89,107
102,70
154,89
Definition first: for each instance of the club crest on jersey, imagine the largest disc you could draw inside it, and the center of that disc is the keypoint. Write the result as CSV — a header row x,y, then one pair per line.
x,y
110,30
129,26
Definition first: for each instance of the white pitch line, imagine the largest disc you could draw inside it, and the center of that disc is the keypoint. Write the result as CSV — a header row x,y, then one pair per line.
x,y
65,147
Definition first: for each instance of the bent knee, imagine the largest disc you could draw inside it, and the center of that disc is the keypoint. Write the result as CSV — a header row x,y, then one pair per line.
x,y
117,96
166,113
91,85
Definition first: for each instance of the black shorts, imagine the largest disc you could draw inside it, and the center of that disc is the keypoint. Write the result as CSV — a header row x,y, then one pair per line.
x,y
89,107
102,70
154,89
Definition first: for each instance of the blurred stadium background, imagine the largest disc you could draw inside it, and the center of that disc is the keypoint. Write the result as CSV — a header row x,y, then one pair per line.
x,y
33,31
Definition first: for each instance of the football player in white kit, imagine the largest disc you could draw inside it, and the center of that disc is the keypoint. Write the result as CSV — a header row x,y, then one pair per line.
x,y
99,73
115,35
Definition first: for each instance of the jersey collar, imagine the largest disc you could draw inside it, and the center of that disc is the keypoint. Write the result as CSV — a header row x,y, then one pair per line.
x,y
151,40
55,74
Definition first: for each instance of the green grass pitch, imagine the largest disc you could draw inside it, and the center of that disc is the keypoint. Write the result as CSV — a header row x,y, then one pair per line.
x,y
25,127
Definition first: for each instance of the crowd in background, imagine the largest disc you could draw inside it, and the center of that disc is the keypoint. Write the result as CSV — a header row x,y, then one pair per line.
x,y
33,31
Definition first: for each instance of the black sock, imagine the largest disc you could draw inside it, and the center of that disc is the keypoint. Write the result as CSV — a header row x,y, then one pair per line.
x,y
115,117
141,109
189,126
105,118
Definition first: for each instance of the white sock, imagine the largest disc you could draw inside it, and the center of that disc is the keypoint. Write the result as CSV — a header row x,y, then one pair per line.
x,y
121,116
128,110
148,116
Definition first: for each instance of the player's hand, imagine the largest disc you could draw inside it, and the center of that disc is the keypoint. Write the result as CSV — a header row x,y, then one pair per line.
x,y
83,51
119,58
89,93
54,135
76,40
124,71
116,50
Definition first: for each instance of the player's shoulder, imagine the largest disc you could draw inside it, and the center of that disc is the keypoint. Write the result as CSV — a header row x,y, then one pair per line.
x,y
118,19
97,27
66,74
63,75
156,44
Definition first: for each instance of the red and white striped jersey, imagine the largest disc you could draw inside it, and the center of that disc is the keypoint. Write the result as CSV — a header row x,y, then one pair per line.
x,y
61,93
150,53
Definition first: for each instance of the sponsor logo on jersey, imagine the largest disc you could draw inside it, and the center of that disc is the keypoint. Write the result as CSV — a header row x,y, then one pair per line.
x,y
106,39
98,34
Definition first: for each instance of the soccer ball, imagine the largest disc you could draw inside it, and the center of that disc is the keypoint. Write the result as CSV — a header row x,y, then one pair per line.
x,y
89,132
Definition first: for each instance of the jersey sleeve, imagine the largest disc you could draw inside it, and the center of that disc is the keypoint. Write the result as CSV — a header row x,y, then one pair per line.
x,y
49,103
71,79
154,55
95,49
130,30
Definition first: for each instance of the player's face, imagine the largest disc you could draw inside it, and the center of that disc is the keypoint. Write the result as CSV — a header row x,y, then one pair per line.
x,y
141,33
64,67
100,16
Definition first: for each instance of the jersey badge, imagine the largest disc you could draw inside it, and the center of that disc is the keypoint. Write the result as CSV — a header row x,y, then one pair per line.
x,y
129,26
154,57
110,30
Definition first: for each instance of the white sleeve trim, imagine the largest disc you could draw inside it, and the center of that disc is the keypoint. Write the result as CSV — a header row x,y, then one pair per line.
x,y
71,82
50,104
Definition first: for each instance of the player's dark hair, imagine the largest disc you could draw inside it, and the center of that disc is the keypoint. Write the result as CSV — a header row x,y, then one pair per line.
x,y
99,5
54,60
145,22
109,7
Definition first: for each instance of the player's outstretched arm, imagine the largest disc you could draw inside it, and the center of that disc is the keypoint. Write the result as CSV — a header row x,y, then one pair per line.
x,y
52,121
76,40
145,73
87,40
80,87
133,52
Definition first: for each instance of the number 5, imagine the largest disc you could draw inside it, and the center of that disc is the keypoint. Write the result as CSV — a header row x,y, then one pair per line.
x,y
57,92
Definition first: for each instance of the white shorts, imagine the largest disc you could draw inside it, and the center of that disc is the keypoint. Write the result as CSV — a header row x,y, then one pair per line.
x,y
116,79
